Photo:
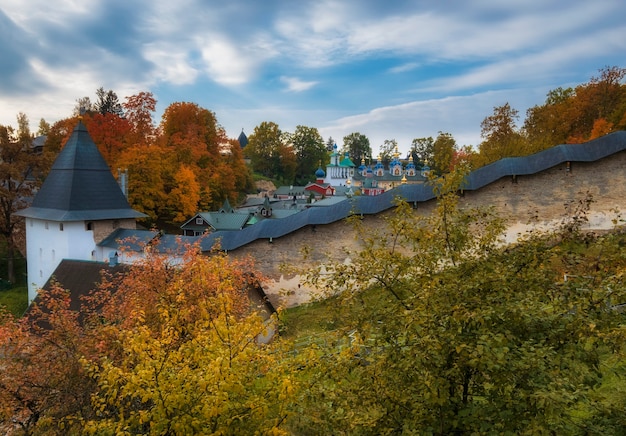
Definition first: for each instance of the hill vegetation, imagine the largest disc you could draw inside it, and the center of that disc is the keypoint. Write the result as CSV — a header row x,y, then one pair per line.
x,y
435,327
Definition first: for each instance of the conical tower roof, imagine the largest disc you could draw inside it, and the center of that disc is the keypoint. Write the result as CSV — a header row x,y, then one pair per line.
x,y
80,186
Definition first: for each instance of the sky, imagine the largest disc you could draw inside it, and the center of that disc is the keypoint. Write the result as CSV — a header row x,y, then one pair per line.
x,y
395,69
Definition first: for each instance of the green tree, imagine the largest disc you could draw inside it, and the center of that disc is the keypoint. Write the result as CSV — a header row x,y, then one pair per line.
x,y
310,152
357,146
422,150
448,332
83,105
269,154
388,150
44,127
108,103
330,144
444,149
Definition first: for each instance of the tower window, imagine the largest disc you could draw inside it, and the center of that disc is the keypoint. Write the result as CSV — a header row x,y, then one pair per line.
x,y
61,226
89,225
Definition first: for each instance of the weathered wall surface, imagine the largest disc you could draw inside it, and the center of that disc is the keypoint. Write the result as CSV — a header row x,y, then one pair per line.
x,y
545,198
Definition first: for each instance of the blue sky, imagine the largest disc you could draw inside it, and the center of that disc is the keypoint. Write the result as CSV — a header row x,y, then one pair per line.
x,y
394,69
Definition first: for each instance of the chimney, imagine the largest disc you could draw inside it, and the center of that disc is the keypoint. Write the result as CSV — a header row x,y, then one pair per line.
x,y
122,179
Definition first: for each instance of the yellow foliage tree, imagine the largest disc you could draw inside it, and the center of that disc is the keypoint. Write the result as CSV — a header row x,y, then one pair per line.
x,y
185,194
191,359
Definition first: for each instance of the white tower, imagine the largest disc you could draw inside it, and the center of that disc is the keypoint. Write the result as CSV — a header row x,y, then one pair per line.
x,y
78,205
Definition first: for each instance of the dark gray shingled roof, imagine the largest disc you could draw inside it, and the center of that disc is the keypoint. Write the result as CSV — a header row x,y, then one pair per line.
x,y
80,186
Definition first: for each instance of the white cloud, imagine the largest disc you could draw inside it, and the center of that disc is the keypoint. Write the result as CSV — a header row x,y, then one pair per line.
x,y
229,63
170,64
296,85
60,12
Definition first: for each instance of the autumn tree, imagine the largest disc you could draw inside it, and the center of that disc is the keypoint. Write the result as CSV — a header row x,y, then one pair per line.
x,y
21,172
195,137
162,348
463,157
574,115
310,151
550,124
149,169
231,177
500,135
42,382
59,133
184,195
357,146
191,360
139,110
110,133
603,98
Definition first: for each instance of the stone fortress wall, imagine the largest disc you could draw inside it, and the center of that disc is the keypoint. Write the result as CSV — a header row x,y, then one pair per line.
x,y
542,199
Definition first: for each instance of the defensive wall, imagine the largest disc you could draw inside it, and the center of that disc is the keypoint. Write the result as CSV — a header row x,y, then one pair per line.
x,y
524,197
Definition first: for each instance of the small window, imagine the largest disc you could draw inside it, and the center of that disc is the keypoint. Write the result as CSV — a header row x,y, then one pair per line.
x,y
46,225
199,221
61,226
89,225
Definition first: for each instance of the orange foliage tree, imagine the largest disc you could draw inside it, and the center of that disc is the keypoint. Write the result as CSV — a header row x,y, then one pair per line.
x,y
171,346
139,109
149,167
198,141
575,115
110,133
